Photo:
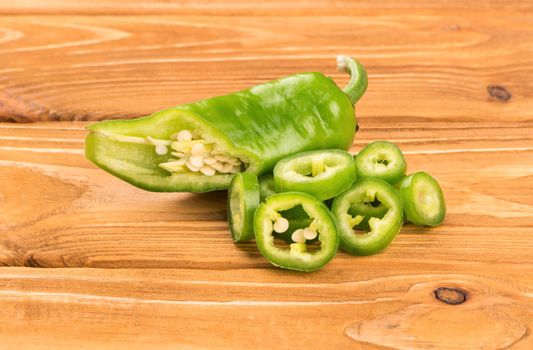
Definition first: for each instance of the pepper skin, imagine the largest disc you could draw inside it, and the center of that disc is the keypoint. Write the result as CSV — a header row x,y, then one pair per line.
x,y
423,200
255,128
243,199
323,173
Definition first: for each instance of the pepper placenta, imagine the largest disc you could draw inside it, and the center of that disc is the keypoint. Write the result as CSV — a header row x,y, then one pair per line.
x,y
355,239
243,199
300,255
382,160
423,200
323,174
197,147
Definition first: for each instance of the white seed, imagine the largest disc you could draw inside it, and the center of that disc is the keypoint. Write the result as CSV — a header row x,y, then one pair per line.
x,y
281,225
210,160
184,135
221,157
178,154
227,168
236,169
191,167
207,170
309,233
161,149
218,167
234,161
197,149
197,161
298,236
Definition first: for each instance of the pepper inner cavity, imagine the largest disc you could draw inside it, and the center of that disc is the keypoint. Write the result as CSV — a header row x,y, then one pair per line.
x,y
191,153
366,210
293,229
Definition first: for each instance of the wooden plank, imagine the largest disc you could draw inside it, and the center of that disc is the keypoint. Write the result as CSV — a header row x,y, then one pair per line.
x,y
422,66
253,7
370,307
59,211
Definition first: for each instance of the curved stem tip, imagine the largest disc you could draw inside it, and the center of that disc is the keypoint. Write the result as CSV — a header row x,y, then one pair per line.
x,y
358,79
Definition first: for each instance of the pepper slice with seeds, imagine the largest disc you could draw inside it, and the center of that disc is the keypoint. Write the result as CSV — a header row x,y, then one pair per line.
x,y
197,147
323,174
243,199
312,247
381,229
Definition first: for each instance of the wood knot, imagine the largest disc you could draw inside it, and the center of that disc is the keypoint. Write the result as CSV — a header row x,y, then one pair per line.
x,y
451,296
498,92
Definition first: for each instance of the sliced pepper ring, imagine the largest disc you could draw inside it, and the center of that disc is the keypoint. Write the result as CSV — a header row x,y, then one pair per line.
x,y
297,257
382,160
381,230
243,199
322,174
423,200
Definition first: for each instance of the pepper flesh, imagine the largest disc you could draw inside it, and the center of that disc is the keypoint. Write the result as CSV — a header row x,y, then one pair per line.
x,y
381,230
243,199
423,200
257,126
323,174
297,257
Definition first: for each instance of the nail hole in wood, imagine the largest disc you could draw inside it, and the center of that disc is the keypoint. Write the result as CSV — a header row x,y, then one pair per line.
x,y
451,296
499,92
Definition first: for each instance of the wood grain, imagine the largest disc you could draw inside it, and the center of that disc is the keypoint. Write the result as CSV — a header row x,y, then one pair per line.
x,y
450,83
422,67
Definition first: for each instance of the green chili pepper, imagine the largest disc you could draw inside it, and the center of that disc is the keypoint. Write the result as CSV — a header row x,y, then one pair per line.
x,y
423,200
301,255
323,174
243,199
382,230
266,186
382,160
199,146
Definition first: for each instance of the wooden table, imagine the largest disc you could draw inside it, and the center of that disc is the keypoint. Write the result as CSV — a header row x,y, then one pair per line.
x,y
91,262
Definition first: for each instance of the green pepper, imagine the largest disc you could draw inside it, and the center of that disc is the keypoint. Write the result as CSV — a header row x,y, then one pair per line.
x,y
266,186
302,255
382,160
348,217
243,199
197,147
423,200
323,174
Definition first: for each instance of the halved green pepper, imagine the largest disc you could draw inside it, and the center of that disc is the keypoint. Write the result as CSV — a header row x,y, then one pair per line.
x,y
300,255
381,230
197,147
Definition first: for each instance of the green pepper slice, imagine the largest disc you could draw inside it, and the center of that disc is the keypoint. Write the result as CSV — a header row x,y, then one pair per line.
x,y
322,174
197,147
348,216
423,200
382,160
266,186
300,255
243,199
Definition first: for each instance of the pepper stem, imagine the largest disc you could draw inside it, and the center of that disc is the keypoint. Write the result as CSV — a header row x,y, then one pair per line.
x,y
358,78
